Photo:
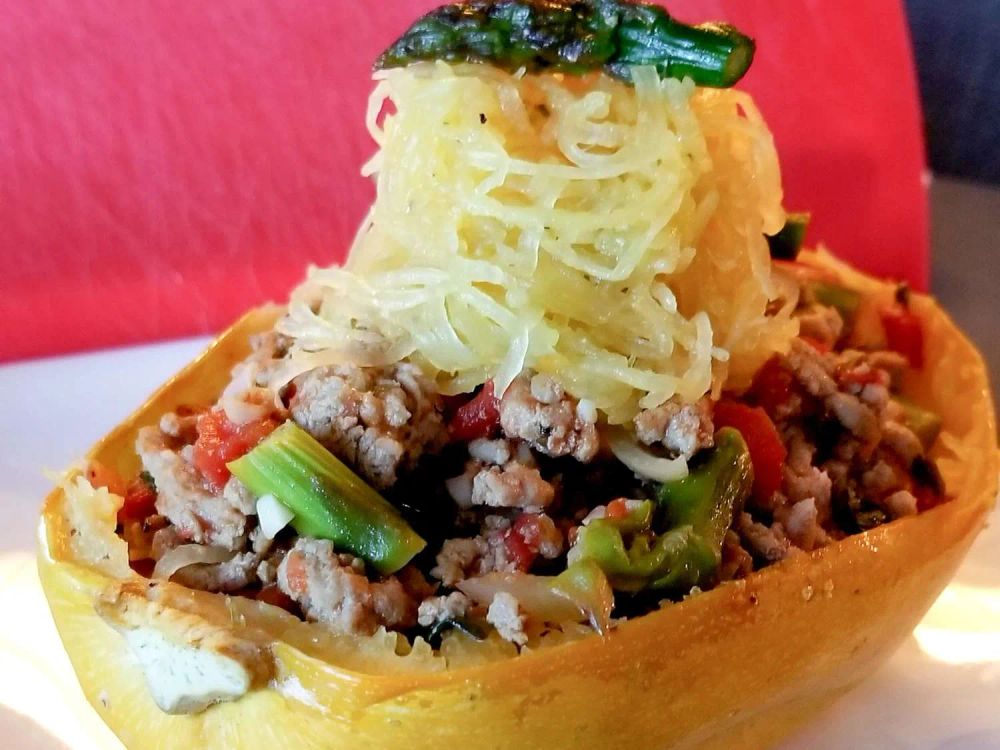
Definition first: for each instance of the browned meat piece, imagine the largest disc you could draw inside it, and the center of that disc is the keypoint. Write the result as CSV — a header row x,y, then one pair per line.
x,y
736,561
440,608
501,474
902,441
463,558
331,588
230,576
468,557
854,415
800,522
801,480
768,542
901,503
183,496
505,615
821,323
511,486
683,429
811,370
244,569
380,419
538,411
881,479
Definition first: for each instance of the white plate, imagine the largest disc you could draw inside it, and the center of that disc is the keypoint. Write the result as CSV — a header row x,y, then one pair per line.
x,y
941,690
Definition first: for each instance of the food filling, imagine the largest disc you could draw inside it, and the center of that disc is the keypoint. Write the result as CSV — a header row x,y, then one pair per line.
x,y
573,371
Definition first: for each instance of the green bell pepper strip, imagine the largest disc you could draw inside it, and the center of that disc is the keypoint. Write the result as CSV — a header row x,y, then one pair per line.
x,y
785,245
676,559
709,497
574,37
328,499
699,509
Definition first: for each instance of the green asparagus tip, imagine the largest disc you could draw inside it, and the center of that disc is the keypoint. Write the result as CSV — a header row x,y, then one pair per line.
x,y
328,499
575,38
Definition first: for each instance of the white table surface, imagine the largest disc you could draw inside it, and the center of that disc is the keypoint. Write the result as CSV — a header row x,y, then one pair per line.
x,y
941,690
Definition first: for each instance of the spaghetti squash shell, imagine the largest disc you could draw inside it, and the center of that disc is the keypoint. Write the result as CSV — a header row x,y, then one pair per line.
x,y
739,666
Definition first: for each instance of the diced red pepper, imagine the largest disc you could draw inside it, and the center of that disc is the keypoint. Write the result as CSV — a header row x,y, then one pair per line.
x,y
220,441
904,333
617,509
767,452
477,418
140,501
521,540
773,385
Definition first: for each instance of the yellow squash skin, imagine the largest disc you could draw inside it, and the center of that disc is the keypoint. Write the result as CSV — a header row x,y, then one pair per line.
x,y
736,667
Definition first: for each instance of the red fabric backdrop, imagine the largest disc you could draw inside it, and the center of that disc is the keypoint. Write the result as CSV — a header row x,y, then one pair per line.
x,y
164,164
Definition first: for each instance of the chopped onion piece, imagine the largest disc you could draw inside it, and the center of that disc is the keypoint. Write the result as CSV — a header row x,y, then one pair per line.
x,y
273,515
644,463
460,489
189,554
587,410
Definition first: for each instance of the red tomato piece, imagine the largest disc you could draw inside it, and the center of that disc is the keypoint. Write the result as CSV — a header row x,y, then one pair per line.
x,y
767,452
477,418
521,540
220,441
296,574
617,509
904,333
773,385
140,501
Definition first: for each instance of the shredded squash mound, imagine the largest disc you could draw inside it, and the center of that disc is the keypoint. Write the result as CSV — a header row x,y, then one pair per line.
x,y
612,236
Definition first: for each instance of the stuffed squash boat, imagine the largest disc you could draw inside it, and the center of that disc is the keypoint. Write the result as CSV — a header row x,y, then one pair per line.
x,y
577,433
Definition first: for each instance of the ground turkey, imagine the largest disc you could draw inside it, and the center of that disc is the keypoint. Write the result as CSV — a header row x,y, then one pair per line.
x,y
683,429
332,589
538,411
199,514
491,551
501,474
379,419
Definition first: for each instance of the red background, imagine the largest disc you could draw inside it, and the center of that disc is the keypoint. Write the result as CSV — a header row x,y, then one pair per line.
x,y
165,164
